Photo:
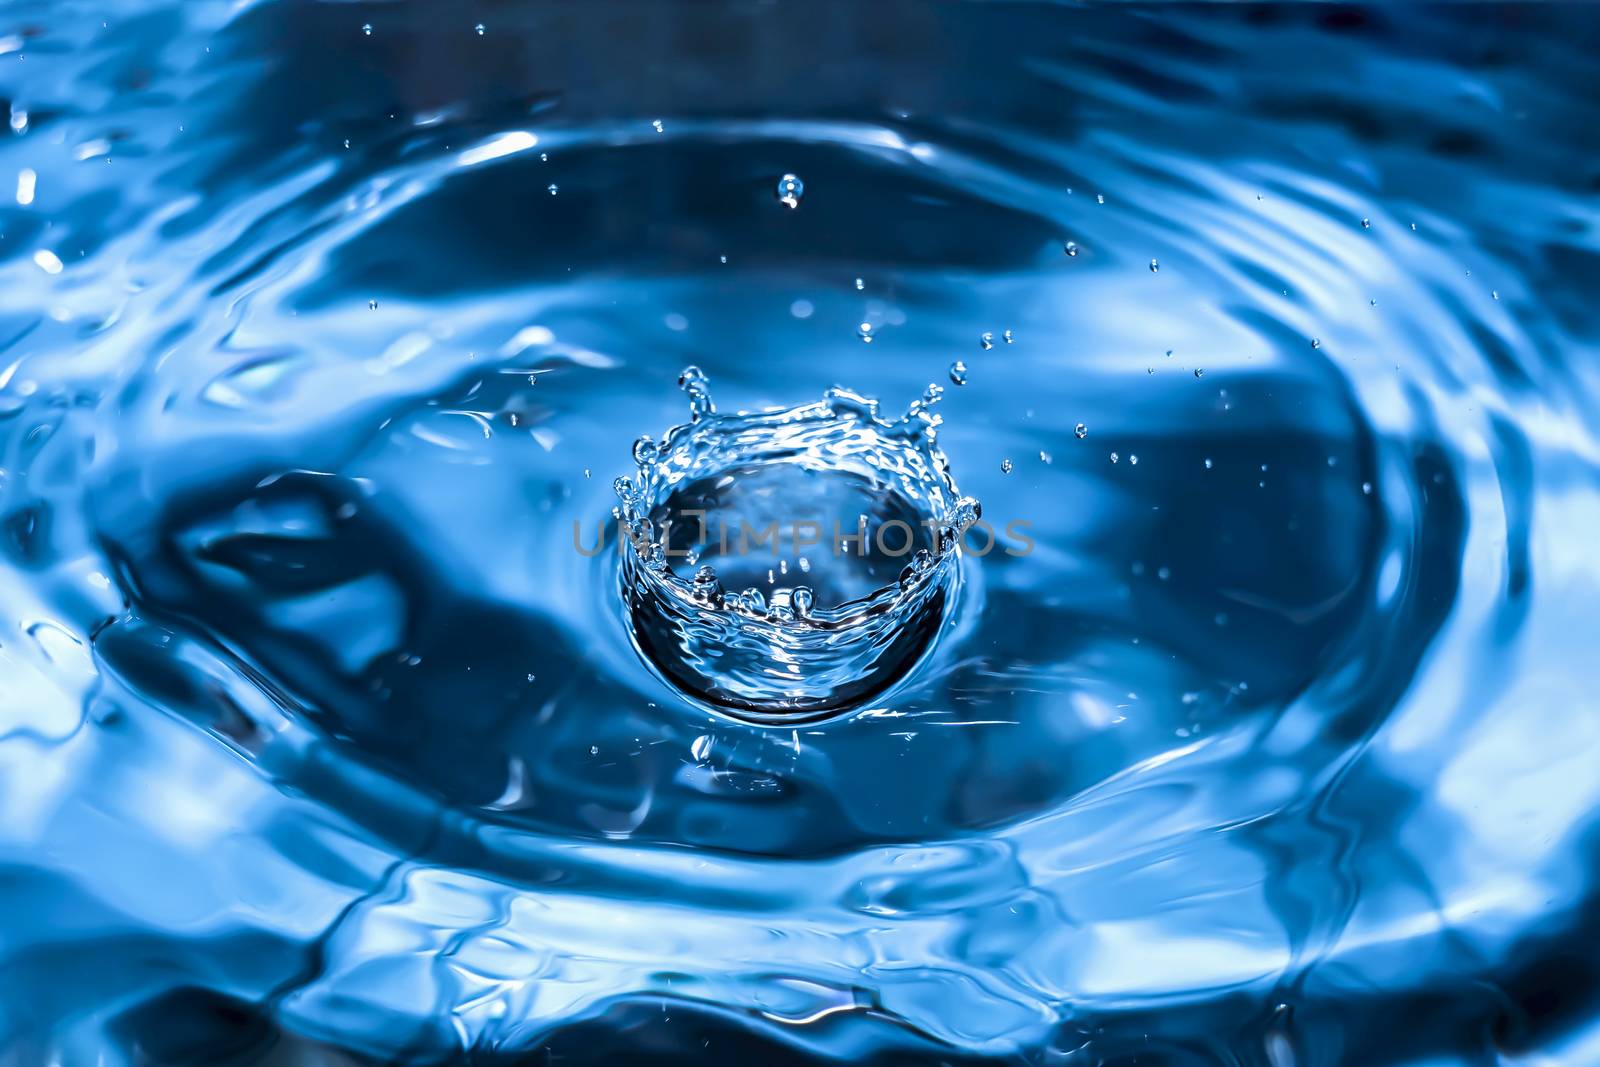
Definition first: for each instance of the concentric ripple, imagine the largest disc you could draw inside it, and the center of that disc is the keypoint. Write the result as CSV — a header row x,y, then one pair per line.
x,y
324,333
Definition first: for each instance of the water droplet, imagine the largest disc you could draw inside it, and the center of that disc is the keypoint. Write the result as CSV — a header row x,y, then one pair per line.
x,y
1199,372
367,29
1081,431
1008,338
1044,457
1072,248
1208,464
1115,457
1495,293
958,373
707,586
790,190
864,331
1316,342
802,598
372,305
1099,198
987,341
552,188
644,450
656,123
479,29
1133,461
1413,227
1366,488
1366,224
701,748
1005,466
1155,267
692,380
860,285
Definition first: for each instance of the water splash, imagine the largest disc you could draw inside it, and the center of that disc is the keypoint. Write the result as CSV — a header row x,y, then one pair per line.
x,y
853,520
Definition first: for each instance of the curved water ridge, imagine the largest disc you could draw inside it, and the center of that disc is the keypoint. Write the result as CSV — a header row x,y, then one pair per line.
x,y
324,330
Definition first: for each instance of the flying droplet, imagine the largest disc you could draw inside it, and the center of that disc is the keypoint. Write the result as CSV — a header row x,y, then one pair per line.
x,y
367,29
860,285
864,331
1099,198
479,29
1155,267
1366,487
958,372
790,190
1081,431
701,748
1316,342
1005,466
552,188
1008,338
1208,464
656,123
1115,457
372,305
1199,372
1072,248
1495,293
987,341
1366,224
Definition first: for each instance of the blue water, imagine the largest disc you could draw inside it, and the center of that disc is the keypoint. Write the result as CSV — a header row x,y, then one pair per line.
x,y
322,325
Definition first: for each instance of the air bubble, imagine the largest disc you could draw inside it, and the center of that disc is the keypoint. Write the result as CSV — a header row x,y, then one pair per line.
x,y
790,190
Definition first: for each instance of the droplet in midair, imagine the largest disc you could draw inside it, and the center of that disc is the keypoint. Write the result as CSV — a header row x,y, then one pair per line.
x,y
1099,198
1072,248
1495,293
1115,457
1366,224
790,190
1081,431
367,29
552,188
1208,464
372,305
1155,267
1008,338
1199,372
864,331
958,373
860,285
479,29
1005,466
1316,342
987,341
656,124
701,748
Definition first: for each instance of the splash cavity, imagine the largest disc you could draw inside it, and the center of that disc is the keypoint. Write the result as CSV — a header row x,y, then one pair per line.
x,y
783,566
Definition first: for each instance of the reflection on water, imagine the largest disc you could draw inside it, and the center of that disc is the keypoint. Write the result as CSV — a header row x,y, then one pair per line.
x,y
322,325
